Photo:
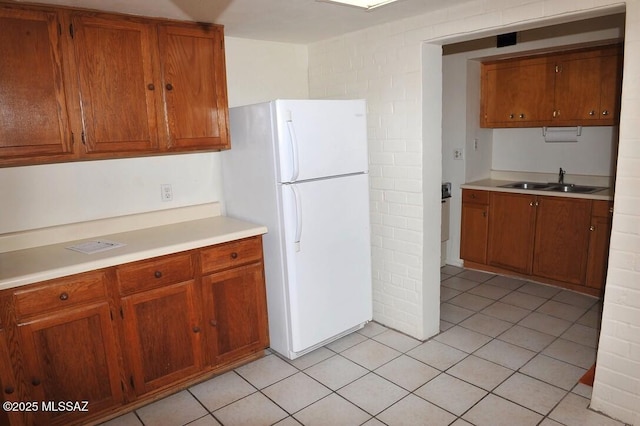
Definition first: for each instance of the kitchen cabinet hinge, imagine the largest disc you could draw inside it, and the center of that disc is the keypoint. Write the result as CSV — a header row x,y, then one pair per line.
x,y
121,313
131,381
59,29
73,139
122,385
558,68
111,314
71,32
84,142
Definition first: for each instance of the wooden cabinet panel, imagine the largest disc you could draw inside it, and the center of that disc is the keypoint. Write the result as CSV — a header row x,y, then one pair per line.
x,y
235,313
60,294
162,336
195,102
588,87
517,93
117,92
34,120
71,355
230,255
599,236
581,87
475,226
562,238
511,231
157,272
7,382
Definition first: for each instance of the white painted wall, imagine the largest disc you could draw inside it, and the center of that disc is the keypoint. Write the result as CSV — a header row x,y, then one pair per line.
x,y
48,195
380,64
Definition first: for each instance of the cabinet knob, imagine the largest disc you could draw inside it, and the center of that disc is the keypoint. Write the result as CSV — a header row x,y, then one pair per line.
x,y
234,255
9,390
530,203
64,296
157,274
592,228
556,113
592,113
35,381
605,112
151,86
511,116
213,323
196,329
521,115
169,86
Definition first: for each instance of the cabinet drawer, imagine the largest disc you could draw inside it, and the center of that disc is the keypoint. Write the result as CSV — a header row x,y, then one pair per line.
x,y
60,293
157,272
475,196
231,254
602,208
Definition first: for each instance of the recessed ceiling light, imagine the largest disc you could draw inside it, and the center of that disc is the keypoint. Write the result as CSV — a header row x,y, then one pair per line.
x,y
364,4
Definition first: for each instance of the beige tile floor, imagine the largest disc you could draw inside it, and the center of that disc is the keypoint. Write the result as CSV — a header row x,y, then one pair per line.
x,y
510,352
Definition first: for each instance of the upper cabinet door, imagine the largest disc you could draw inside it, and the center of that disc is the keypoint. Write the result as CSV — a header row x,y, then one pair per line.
x,y
118,90
30,70
194,86
517,93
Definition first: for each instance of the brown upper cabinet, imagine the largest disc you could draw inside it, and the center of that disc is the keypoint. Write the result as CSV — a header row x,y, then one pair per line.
x,y
81,85
573,88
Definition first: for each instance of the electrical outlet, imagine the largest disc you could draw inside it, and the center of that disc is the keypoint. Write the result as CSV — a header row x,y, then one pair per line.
x,y
458,154
166,192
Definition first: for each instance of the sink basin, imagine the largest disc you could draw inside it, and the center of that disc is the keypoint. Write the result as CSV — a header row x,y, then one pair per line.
x,y
580,189
527,185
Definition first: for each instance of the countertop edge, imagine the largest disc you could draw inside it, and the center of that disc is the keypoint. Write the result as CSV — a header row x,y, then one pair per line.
x,y
140,244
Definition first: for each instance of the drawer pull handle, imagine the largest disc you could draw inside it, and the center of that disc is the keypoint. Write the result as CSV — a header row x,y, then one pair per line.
x,y
157,274
9,390
213,323
64,296
234,255
35,381
592,228
196,329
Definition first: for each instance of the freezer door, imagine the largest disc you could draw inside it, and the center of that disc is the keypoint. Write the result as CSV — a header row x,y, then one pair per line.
x,y
320,138
327,236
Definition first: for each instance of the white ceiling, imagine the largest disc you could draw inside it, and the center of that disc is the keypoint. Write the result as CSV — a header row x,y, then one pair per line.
x,y
293,21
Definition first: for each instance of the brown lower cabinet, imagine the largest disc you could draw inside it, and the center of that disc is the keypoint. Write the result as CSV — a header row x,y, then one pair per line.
x,y
558,240
123,336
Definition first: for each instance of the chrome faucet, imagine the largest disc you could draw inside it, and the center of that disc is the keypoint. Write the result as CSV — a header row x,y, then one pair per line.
x,y
561,176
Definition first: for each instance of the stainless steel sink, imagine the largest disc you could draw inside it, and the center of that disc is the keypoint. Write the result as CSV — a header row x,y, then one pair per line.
x,y
580,189
527,185
555,187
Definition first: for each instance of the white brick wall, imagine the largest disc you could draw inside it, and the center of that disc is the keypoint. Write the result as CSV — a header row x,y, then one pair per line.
x,y
386,66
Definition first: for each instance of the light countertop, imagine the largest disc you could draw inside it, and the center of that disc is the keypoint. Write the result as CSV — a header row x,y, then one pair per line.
x,y
30,265
496,185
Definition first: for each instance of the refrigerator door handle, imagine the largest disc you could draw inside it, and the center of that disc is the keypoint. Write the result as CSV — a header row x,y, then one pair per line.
x,y
298,202
295,169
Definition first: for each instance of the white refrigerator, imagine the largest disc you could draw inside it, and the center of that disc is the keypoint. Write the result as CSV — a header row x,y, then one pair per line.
x,y
300,167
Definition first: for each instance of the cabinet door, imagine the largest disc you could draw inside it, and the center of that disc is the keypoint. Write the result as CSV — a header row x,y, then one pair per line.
x,y
117,85
577,91
194,86
599,235
517,93
162,336
562,236
511,231
7,381
610,85
235,313
71,355
475,230
30,70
